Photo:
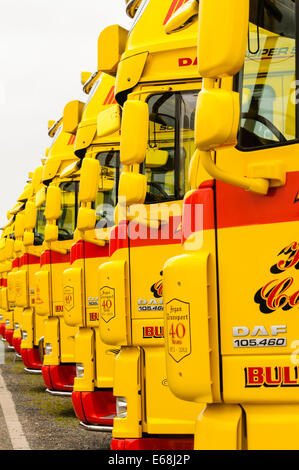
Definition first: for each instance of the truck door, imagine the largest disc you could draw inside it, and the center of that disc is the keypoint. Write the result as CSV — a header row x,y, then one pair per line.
x,y
257,235
154,237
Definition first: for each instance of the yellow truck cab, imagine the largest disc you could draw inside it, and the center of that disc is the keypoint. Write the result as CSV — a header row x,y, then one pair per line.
x,y
6,255
233,290
157,84
92,397
28,327
61,177
9,315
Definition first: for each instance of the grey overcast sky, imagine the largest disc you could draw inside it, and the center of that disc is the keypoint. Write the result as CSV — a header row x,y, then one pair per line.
x,y
44,45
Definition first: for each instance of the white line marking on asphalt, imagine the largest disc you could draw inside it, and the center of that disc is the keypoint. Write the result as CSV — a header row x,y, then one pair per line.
x,y
15,430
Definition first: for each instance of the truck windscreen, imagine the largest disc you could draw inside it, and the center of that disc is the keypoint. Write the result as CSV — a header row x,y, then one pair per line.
x,y
268,114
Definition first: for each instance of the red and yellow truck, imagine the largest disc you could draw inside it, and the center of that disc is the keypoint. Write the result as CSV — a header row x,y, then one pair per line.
x,y
6,254
230,297
10,291
157,85
28,327
92,396
61,178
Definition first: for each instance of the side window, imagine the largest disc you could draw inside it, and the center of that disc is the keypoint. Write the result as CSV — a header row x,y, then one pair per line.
x,y
170,145
107,194
69,207
268,112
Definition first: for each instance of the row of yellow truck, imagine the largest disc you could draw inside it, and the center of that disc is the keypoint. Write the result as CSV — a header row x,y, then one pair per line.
x,y
143,266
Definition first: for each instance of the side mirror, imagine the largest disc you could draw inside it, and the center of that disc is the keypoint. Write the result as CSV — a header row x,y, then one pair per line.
x,y
132,187
9,248
30,216
222,37
51,123
28,239
89,180
85,76
40,197
53,203
86,219
155,158
111,45
72,115
217,118
51,233
108,121
134,132
37,179
19,226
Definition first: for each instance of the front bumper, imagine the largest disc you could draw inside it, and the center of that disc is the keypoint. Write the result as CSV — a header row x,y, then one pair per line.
x,y
31,358
97,407
59,377
2,330
16,342
9,336
153,443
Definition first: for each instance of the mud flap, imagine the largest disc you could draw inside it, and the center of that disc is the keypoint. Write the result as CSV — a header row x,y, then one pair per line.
x,y
84,354
127,384
220,427
52,337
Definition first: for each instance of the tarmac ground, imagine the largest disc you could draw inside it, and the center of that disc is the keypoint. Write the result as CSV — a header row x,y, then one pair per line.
x,y
45,421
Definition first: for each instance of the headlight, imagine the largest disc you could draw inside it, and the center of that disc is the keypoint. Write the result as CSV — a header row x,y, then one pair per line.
x,y
48,349
121,407
79,370
24,335
7,322
16,326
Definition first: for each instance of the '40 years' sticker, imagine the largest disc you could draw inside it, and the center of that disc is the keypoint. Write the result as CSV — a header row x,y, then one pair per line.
x,y
178,329
107,303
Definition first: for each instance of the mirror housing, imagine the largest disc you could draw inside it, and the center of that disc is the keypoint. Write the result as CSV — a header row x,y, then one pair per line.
x,y
30,215
89,180
53,203
40,197
222,37
85,76
217,118
28,239
155,158
51,233
111,45
86,219
9,248
19,226
108,121
37,179
132,187
51,123
72,115
134,132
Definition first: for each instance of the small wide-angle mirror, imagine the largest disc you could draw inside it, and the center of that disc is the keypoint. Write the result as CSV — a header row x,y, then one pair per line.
x,y
155,158
72,114
89,180
108,121
19,225
53,203
30,215
134,132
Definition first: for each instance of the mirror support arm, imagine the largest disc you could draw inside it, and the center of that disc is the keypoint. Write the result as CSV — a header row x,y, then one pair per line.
x,y
255,185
